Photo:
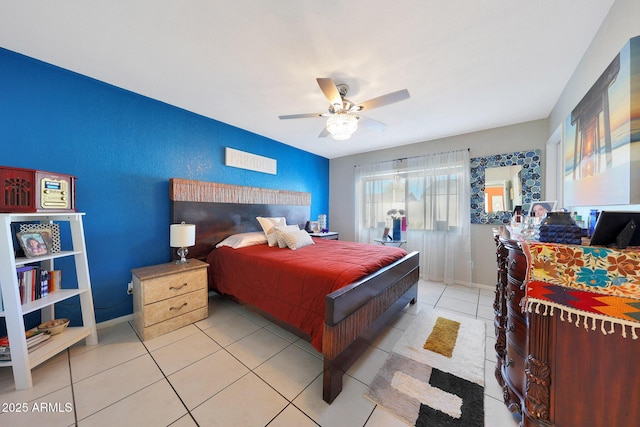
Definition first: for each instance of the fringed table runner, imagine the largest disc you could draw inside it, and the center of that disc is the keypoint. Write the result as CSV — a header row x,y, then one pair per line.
x,y
594,287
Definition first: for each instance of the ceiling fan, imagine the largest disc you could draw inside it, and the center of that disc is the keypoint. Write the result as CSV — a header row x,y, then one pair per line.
x,y
343,114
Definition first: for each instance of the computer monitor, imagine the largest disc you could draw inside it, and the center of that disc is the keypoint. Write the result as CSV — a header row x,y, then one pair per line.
x,y
620,229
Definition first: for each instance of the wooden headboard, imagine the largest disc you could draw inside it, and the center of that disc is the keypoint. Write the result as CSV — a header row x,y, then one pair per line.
x,y
220,210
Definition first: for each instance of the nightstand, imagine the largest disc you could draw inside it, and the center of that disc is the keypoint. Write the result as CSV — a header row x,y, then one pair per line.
x,y
329,235
169,296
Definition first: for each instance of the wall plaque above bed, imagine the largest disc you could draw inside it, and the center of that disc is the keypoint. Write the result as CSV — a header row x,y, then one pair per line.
x,y
220,210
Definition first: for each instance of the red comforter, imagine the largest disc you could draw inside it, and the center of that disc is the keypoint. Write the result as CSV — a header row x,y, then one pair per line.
x,y
292,285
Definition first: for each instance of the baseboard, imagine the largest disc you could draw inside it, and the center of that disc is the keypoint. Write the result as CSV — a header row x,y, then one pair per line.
x,y
475,285
483,286
117,320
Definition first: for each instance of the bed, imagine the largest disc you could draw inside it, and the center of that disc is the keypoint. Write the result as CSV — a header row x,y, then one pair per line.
x,y
359,300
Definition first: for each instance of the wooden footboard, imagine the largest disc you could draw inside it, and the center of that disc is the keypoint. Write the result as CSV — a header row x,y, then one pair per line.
x,y
357,313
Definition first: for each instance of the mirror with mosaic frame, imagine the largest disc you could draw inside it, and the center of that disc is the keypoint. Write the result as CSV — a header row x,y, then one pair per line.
x,y
531,185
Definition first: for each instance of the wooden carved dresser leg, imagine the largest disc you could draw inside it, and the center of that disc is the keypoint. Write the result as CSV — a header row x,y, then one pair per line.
x,y
538,381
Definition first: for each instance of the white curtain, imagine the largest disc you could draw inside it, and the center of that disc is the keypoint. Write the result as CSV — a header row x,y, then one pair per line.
x,y
434,192
375,194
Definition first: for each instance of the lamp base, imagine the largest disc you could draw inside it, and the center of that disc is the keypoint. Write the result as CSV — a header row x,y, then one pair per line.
x,y
182,253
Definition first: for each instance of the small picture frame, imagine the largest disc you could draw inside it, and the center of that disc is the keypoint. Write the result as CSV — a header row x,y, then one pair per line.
x,y
34,243
539,208
50,233
315,227
385,234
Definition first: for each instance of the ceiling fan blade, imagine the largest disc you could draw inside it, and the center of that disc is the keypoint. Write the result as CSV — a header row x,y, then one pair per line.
x,y
324,133
371,124
387,99
300,116
330,90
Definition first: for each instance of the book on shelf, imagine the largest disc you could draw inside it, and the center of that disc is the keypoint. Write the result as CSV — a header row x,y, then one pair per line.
x,y
55,278
34,339
35,283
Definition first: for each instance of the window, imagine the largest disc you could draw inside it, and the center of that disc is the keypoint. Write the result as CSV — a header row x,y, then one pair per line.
x,y
430,198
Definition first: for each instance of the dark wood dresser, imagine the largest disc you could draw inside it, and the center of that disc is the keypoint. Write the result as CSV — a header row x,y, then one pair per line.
x,y
556,372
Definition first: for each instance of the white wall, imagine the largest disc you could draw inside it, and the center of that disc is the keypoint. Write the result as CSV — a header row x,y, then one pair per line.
x,y
621,24
521,137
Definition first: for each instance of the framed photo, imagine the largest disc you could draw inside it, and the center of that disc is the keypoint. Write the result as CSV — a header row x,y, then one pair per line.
x,y
33,243
50,233
541,207
315,227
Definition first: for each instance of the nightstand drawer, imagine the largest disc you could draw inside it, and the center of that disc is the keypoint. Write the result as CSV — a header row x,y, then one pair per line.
x,y
173,323
160,288
174,307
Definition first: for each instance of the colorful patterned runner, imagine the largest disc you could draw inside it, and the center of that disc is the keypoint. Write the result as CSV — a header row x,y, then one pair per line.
x,y
586,284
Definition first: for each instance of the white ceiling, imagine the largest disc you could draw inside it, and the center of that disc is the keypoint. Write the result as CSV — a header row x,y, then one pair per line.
x,y
468,65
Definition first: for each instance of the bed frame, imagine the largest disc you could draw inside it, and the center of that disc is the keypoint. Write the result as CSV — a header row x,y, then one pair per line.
x,y
354,315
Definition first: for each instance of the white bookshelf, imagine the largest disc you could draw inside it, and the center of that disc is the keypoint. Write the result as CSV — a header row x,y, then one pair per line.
x,y
23,361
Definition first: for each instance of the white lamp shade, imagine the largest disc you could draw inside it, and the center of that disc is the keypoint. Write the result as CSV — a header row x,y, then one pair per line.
x,y
182,235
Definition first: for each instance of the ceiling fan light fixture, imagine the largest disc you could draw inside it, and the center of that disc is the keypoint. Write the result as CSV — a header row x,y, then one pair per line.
x,y
342,125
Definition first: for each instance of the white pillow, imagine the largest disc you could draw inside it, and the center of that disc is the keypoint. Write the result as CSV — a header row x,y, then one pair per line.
x,y
280,231
268,224
297,239
244,239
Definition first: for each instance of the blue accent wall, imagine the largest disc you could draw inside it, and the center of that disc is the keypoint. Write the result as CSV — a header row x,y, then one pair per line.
x,y
123,148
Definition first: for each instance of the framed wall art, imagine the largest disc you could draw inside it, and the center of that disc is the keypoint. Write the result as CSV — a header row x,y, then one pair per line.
x,y
602,137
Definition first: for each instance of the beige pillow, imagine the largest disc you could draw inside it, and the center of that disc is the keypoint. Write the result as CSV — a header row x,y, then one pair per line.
x,y
242,240
297,239
281,231
268,224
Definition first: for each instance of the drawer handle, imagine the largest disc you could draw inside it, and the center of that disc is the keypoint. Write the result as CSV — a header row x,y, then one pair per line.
x,y
511,295
510,363
511,327
177,288
513,263
178,308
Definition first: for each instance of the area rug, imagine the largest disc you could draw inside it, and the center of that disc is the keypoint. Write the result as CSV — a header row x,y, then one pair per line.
x,y
434,375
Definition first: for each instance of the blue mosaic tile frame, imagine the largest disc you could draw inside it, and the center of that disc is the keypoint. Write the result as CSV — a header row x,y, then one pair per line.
x,y
531,183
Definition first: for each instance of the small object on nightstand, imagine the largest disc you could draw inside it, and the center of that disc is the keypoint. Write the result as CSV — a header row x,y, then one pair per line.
x,y
322,223
385,234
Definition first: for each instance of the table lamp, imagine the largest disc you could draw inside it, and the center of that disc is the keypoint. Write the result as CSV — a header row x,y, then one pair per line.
x,y
182,236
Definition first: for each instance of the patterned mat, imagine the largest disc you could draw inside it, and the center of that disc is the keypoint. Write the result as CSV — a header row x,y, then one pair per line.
x,y
426,388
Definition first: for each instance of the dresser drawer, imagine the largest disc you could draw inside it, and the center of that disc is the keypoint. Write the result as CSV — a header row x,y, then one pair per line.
x,y
172,285
516,265
514,366
516,329
514,296
173,307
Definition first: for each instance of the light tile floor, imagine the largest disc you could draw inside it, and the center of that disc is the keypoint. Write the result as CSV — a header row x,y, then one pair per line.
x,y
231,369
